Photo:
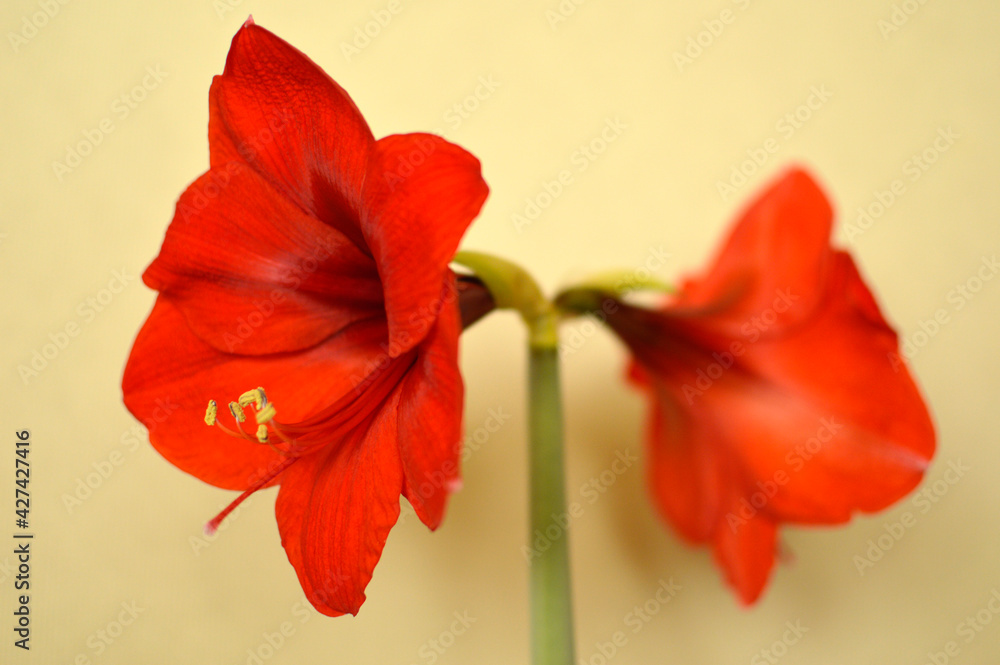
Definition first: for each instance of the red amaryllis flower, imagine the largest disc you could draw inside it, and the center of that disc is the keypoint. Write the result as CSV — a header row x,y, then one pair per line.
x,y
776,393
311,260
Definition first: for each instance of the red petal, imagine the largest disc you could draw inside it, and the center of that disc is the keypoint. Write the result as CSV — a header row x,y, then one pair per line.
x,y
808,427
855,432
274,108
746,555
420,196
334,512
771,404
779,249
253,273
430,417
685,470
171,375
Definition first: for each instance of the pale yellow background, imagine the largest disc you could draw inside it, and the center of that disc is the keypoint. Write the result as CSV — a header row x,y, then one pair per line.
x,y
654,187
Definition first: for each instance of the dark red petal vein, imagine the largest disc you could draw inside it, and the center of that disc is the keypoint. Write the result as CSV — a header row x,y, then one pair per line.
x,y
254,274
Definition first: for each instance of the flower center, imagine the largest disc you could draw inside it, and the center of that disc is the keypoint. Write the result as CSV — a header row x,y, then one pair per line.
x,y
263,412
335,423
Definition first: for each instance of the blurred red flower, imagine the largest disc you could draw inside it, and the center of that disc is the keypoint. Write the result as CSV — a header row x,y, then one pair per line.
x,y
312,260
775,388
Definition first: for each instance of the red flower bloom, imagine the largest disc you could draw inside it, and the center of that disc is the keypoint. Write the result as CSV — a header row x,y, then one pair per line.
x,y
776,389
312,260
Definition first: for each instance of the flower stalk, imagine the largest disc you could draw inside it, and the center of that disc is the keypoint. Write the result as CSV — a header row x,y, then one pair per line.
x,y
551,599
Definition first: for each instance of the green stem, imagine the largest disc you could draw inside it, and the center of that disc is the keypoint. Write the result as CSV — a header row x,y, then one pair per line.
x,y
551,605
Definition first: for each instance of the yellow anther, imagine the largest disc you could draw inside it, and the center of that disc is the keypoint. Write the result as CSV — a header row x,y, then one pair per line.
x,y
262,433
266,414
257,396
210,412
249,397
237,412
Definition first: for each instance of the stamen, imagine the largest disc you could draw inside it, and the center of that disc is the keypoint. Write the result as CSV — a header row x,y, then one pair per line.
x,y
211,412
256,396
266,414
336,422
237,411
